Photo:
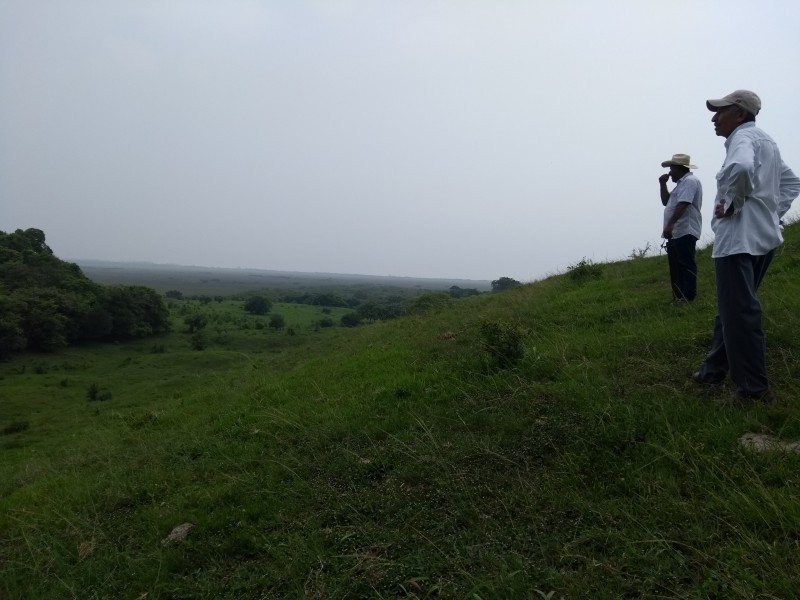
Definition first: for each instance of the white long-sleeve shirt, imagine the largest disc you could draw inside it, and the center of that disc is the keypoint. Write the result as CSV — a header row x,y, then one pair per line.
x,y
760,187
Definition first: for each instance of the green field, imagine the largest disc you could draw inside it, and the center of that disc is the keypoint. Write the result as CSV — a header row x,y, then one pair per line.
x,y
404,460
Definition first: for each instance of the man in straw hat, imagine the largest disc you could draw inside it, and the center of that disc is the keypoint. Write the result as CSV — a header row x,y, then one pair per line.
x,y
754,189
682,224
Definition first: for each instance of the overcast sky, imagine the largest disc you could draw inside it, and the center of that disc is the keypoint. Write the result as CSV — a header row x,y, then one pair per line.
x,y
430,138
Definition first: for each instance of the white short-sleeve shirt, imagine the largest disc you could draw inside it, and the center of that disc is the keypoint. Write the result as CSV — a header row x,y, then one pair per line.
x,y
689,191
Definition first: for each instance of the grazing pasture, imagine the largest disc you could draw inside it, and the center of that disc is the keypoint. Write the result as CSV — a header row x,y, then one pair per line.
x,y
542,442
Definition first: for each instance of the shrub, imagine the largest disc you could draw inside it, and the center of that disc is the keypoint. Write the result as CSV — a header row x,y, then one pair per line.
x,y
195,322
15,427
429,302
277,321
584,271
95,393
350,320
641,252
257,305
503,342
198,340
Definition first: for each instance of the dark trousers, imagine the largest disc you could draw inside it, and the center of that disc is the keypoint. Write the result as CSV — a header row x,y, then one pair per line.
x,y
738,345
682,267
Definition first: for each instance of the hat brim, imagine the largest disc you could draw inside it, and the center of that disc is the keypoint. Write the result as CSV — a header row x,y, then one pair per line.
x,y
715,105
669,163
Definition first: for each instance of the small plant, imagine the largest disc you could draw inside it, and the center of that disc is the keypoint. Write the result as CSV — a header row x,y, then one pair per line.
x,y
350,320
584,271
16,427
196,322
40,370
157,349
198,341
221,336
401,392
95,393
277,322
637,253
503,342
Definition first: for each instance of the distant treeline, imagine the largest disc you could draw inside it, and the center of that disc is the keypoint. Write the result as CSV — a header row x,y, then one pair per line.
x,y
46,303
369,303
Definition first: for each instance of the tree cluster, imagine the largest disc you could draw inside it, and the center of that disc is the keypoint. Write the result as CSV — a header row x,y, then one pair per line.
x,y
257,305
504,283
319,299
459,292
46,303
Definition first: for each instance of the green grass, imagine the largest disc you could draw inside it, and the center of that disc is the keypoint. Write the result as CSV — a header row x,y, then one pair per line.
x,y
396,460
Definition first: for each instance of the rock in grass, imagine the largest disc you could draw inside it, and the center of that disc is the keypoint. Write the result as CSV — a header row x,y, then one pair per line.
x,y
178,533
761,442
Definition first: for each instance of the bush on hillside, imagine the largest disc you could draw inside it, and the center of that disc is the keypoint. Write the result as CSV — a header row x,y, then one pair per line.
x,y
584,271
277,322
195,322
503,343
350,320
428,302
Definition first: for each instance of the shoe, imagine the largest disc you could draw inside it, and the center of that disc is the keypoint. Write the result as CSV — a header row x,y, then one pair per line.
x,y
698,378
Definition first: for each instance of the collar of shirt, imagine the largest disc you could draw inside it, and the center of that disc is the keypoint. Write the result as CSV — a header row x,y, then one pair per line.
x,y
737,130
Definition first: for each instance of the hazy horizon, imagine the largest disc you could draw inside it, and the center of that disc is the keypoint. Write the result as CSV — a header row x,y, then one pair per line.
x,y
445,139
99,263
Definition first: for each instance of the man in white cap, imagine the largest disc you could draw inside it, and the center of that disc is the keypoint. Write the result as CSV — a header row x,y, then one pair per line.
x,y
682,224
754,189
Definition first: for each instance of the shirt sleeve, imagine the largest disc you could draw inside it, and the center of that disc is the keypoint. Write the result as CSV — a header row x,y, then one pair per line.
x,y
735,180
790,189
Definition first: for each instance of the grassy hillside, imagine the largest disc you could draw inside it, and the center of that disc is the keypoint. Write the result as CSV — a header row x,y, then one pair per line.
x,y
398,460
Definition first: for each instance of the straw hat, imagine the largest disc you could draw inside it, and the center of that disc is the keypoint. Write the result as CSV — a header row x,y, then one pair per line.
x,y
679,160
